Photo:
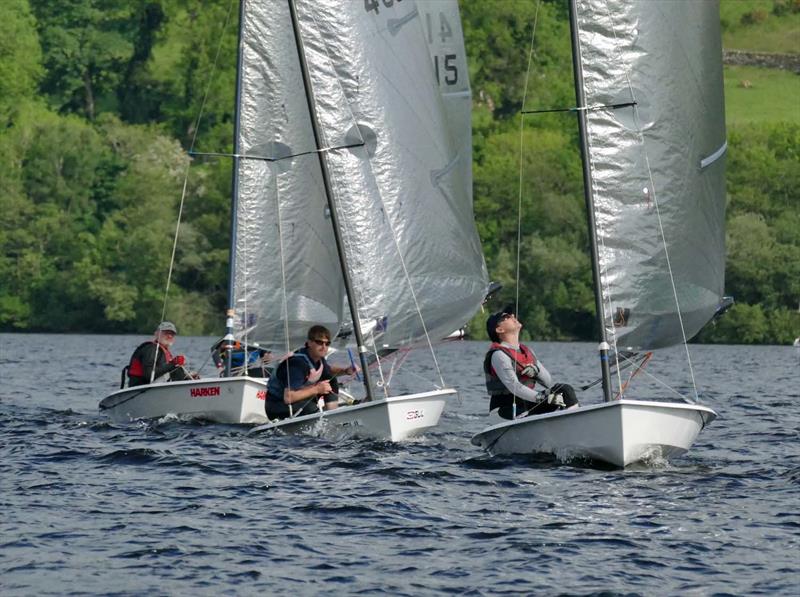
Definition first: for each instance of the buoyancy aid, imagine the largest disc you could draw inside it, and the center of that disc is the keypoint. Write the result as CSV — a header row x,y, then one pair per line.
x,y
136,366
522,358
278,382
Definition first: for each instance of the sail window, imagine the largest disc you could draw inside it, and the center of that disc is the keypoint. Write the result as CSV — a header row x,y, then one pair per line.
x,y
621,316
361,134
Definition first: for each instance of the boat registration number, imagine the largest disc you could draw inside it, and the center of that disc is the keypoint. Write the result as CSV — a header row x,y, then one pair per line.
x,y
417,413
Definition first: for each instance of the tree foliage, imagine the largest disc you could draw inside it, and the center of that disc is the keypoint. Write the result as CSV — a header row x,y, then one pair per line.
x,y
101,100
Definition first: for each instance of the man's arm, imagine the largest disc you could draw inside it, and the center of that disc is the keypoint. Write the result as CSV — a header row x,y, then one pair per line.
x,y
297,390
506,373
544,376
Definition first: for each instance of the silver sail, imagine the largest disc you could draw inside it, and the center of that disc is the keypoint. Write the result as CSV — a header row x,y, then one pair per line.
x,y
441,23
287,274
656,165
406,219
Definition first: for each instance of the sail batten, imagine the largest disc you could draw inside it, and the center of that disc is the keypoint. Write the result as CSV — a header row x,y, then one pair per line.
x,y
657,164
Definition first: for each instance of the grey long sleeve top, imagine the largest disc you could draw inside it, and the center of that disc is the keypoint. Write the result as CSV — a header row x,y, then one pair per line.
x,y
506,373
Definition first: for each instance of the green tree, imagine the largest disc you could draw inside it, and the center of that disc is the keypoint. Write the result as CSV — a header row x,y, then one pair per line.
x,y
20,57
87,44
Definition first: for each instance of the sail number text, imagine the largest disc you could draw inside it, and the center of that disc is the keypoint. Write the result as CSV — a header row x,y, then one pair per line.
x,y
445,65
448,66
370,5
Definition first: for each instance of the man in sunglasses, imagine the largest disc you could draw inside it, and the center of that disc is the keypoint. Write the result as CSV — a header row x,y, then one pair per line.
x,y
152,361
305,377
512,372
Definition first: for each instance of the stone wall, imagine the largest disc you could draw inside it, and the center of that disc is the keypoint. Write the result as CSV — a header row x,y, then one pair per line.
x,y
790,62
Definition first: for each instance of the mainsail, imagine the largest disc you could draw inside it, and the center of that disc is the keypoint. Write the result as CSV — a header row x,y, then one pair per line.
x,y
657,164
399,178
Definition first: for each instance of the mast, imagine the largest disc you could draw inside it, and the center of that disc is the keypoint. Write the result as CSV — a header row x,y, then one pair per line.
x,y
589,198
351,302
234,201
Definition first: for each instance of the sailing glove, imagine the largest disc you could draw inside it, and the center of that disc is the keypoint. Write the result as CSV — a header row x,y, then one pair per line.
x,y
179,361
531,371
556,399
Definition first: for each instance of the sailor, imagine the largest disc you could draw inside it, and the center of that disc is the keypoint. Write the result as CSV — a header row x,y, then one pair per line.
x,y
152,361
257,358
512,372
304,378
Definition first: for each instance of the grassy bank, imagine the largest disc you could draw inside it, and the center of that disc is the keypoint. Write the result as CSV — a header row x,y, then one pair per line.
x,y
754,95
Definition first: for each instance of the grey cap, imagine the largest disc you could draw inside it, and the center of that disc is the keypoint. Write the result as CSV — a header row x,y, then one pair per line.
x,y
167,326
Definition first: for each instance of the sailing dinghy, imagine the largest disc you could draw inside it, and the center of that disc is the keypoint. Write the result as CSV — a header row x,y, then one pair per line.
x,y
648,84
366,225
215,399
352,206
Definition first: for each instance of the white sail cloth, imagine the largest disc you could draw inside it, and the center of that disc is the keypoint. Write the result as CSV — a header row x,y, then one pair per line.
x,y
400,185
656,165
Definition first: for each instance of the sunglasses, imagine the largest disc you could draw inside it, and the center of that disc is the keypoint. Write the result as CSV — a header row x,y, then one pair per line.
x,y
168,333
321,342
504,316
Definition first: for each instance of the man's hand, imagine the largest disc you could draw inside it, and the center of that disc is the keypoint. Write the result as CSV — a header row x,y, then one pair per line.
x,y
556,399
178,361
323,387
531,371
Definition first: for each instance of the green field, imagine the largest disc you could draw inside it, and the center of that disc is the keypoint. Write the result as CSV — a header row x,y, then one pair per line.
x,y
754,94
754,26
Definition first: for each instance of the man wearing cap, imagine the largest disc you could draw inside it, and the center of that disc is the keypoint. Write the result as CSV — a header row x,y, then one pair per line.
x,y
153,360
512,372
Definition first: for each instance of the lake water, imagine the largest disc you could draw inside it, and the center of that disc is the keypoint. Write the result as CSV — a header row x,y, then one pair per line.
x,y
189,509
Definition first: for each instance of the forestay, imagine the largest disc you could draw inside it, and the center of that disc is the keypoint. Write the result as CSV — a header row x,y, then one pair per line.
x,y
654,166
399,176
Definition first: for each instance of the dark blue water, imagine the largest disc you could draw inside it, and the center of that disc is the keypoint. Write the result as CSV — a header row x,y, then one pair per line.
x,y
185,509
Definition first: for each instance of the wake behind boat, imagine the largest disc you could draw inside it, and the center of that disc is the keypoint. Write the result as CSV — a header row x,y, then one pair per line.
x,y
650,108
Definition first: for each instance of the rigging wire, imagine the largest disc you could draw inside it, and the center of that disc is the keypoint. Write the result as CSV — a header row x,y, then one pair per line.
x,y
188,166
521,169
521,162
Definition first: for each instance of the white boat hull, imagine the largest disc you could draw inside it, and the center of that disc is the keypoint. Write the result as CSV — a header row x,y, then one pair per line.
x,y
618,433
395,418
220,400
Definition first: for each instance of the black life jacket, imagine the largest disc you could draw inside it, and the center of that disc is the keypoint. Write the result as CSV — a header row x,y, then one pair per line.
x,y
278,382
135,367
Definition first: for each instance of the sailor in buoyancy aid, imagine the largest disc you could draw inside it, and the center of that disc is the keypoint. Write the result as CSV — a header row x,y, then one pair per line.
x,y
305,377
152,361
512,372
257,358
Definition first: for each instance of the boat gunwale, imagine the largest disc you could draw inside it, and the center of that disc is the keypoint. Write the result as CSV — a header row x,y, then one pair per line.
x,y
322,415
139,390
594,407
